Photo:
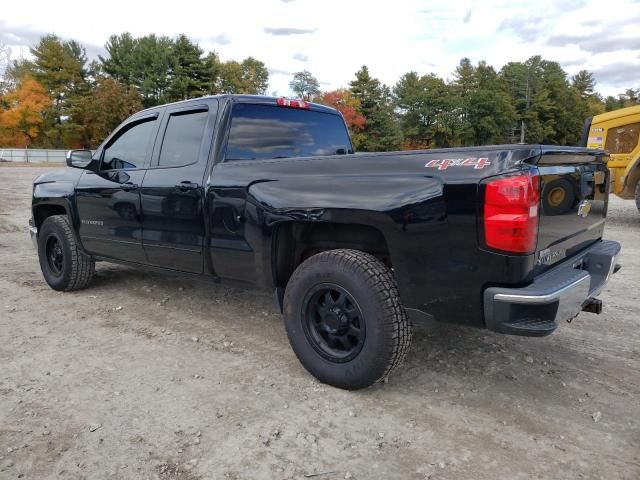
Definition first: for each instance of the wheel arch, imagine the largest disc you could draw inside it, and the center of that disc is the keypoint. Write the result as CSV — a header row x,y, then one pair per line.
x,y
295,241
631,178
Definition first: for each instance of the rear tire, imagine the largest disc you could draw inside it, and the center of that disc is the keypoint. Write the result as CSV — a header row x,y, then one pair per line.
x,y
64,267
638,196
344,319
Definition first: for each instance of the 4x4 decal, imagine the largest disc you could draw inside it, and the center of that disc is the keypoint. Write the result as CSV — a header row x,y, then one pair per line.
x,y
476,163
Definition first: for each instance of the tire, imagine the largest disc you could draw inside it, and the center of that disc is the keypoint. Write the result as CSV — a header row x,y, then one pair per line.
x,y
637,192
363,301
64,267
558,197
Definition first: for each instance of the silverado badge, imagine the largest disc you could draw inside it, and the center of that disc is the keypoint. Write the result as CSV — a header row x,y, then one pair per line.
x,y
584,208
548,256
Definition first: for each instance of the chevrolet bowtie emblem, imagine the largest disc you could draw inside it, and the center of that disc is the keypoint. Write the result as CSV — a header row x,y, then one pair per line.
x,y
584,208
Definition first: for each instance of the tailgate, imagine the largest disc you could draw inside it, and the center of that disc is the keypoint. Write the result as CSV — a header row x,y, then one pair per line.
x,y
574,186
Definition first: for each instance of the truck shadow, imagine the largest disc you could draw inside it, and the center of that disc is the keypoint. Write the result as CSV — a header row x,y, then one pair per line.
x,y
443,357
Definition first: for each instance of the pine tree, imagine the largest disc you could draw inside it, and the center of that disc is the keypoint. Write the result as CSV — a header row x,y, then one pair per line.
x,y
381,130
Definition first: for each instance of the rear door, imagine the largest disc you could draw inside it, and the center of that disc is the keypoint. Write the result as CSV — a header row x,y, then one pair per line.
x,y
108,200
574,199
172,192
260,133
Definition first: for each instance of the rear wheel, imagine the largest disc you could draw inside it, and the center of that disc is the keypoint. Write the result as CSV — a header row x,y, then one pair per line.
x,y
344,319
638,196
63,265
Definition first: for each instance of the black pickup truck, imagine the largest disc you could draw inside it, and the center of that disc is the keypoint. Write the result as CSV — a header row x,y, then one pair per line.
x,y
356,247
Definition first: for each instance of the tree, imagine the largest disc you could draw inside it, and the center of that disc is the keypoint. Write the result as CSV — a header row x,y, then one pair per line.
x,y
381,130
425,104
248,77
109,104
165,70
486,105
584,83
21,118
143,62
305,85
348,105
5,62
630,97
187,70
60,67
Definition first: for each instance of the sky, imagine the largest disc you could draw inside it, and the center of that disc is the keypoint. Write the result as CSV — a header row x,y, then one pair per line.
x,y
333,38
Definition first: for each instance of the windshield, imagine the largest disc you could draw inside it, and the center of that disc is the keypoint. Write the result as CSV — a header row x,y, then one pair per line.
x,y
261,132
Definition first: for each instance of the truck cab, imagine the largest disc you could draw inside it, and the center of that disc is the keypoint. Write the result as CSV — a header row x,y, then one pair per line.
x,y
618,132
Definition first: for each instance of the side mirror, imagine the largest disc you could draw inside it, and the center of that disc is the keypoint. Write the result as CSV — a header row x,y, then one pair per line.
x,y
79,158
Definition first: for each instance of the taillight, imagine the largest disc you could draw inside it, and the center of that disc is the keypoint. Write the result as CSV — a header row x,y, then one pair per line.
x,y
285,102
511,213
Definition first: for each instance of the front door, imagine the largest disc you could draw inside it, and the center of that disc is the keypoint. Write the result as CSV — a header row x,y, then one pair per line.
x,y
108,200
172,191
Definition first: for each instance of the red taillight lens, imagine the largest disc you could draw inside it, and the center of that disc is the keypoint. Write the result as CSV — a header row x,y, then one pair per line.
x,y
511,213
285,102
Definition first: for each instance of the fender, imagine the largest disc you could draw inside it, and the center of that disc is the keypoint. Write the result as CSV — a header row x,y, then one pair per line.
x,y
56,191
405,209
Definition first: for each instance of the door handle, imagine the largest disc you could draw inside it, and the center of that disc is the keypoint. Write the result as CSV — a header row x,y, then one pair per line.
x,y
186,185
128,186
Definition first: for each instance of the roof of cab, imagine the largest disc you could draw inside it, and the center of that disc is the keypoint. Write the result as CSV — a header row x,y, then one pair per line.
x,y
236,98
612,115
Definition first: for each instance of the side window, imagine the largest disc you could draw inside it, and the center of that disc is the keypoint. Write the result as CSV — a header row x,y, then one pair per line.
x,y
130,148
623,139
182,138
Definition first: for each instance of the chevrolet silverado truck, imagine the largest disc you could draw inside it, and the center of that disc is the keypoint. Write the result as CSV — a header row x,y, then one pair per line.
x,y
355,247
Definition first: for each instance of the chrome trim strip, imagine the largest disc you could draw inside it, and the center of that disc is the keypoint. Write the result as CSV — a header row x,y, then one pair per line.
x,y
515,298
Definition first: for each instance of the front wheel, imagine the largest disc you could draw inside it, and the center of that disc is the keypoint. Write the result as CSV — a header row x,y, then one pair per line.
x,y
344,319
638,196
63,265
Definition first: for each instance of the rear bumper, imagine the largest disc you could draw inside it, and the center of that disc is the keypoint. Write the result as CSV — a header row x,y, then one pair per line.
x,y
558,294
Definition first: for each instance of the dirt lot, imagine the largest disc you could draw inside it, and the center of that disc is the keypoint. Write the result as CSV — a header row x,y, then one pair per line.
x,y
147,376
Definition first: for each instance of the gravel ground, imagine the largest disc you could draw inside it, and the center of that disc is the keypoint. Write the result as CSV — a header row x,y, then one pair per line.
x,y
149,376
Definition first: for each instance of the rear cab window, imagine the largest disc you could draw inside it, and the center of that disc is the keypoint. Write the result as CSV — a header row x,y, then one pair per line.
x,y
263,132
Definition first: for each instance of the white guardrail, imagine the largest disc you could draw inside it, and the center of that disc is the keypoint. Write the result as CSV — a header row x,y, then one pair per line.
x,y
32,155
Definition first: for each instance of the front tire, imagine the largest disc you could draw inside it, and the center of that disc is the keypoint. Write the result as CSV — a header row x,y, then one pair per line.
x,y
64,267
344,319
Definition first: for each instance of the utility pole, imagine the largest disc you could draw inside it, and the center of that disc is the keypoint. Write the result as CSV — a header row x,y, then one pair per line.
x,y
522,124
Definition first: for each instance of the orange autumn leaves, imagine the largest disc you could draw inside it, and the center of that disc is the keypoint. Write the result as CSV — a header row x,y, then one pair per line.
x,y
21,113
347,104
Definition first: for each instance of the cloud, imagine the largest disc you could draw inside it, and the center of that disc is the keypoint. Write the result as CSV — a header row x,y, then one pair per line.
x,y
26,37
277,71
596,43
19,36
221,39
301,57
284,31
618,73
528,29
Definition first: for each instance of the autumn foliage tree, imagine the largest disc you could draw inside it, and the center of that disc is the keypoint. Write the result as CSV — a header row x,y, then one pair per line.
x,y
349,106
102,111
21,116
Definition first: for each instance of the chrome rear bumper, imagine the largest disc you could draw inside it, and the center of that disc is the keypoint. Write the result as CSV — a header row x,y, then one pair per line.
x,y
558,294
